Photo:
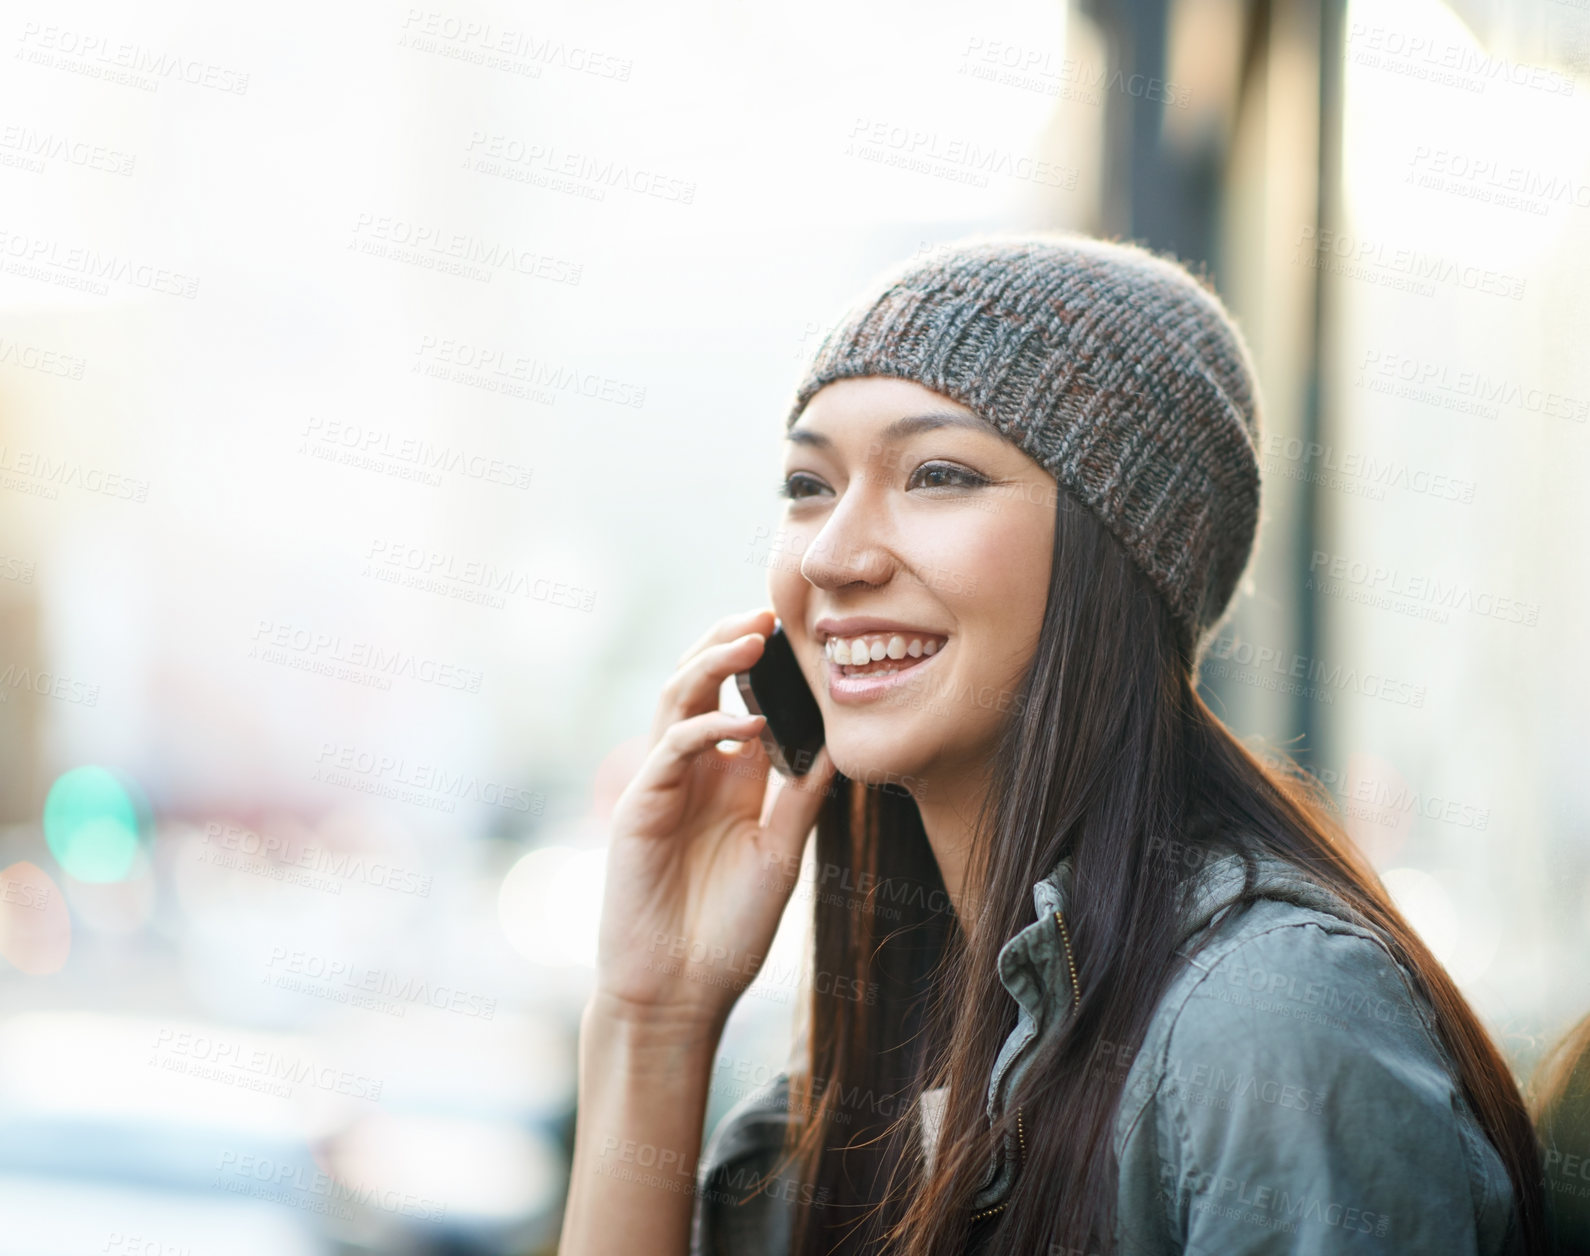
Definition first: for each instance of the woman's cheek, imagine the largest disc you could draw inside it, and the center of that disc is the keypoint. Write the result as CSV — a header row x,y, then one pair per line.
x,y
786,587
967,565
1011,555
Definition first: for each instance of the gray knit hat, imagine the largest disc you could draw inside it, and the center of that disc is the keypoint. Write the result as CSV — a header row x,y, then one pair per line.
x,y
1115,368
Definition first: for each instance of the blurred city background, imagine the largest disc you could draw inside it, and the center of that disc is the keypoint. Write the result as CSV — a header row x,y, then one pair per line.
x,y
389,394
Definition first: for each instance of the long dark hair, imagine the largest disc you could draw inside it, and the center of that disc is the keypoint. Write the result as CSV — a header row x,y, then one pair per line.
x,y
1560,1105
1110,756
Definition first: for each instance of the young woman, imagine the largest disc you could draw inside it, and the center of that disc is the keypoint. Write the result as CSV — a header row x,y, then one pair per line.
x,y
1100,980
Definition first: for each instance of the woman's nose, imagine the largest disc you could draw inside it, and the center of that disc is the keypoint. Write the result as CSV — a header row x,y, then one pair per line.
x,y
848,549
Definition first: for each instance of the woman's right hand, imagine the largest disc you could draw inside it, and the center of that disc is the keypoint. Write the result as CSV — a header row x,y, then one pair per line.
x,y
704,847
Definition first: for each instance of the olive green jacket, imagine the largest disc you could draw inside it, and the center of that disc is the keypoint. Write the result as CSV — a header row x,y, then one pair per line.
x,y
1290,1095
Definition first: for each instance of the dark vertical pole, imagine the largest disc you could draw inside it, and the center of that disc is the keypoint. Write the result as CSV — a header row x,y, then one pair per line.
x,y
1332,19
1158,196
1171,199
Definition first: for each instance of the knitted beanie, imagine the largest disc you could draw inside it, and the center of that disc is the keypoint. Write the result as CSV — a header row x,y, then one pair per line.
x,y
1113,367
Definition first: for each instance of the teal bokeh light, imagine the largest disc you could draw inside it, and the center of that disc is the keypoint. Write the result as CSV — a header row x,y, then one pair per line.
x,y
91,824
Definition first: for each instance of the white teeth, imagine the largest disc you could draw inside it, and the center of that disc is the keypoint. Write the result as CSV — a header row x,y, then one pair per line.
x,y
859,650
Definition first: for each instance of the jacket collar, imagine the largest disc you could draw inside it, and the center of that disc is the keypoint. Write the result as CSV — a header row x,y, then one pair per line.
x,y
1033,966
1034,969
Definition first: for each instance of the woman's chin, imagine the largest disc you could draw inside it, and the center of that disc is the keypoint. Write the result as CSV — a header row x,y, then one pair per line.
x,y
875,765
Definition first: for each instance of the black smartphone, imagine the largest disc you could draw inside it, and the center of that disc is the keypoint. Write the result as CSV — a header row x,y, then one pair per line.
x,y
774,686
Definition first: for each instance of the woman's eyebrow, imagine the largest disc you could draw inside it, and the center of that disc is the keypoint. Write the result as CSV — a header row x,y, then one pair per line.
x,y
909,425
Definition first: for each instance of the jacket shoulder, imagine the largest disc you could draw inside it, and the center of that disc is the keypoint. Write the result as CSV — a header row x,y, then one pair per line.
x,y
742,1205
1292,1085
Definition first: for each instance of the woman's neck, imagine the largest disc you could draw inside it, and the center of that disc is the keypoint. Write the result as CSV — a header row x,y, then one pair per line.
x,y
949,805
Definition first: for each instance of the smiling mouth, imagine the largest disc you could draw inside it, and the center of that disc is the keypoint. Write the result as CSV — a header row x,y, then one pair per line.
x,y
881,654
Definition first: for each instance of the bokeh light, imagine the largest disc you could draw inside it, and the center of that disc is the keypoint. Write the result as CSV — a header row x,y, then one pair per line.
x,y
1465,946
550,903
35,925
91,824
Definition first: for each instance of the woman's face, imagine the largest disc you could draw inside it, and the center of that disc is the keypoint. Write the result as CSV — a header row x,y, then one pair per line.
x,y
919,538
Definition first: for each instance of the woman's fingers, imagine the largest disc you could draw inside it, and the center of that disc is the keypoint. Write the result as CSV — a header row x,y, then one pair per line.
x,y
676,750
694,688
727,629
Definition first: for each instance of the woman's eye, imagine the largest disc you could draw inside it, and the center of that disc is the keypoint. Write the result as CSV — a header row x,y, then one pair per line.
x,y
945,475
799,484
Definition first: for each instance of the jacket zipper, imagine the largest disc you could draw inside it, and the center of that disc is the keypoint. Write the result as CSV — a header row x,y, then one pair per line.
x,y
1076,1000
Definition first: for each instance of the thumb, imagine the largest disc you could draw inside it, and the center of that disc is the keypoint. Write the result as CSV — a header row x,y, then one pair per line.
x,y
795,804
